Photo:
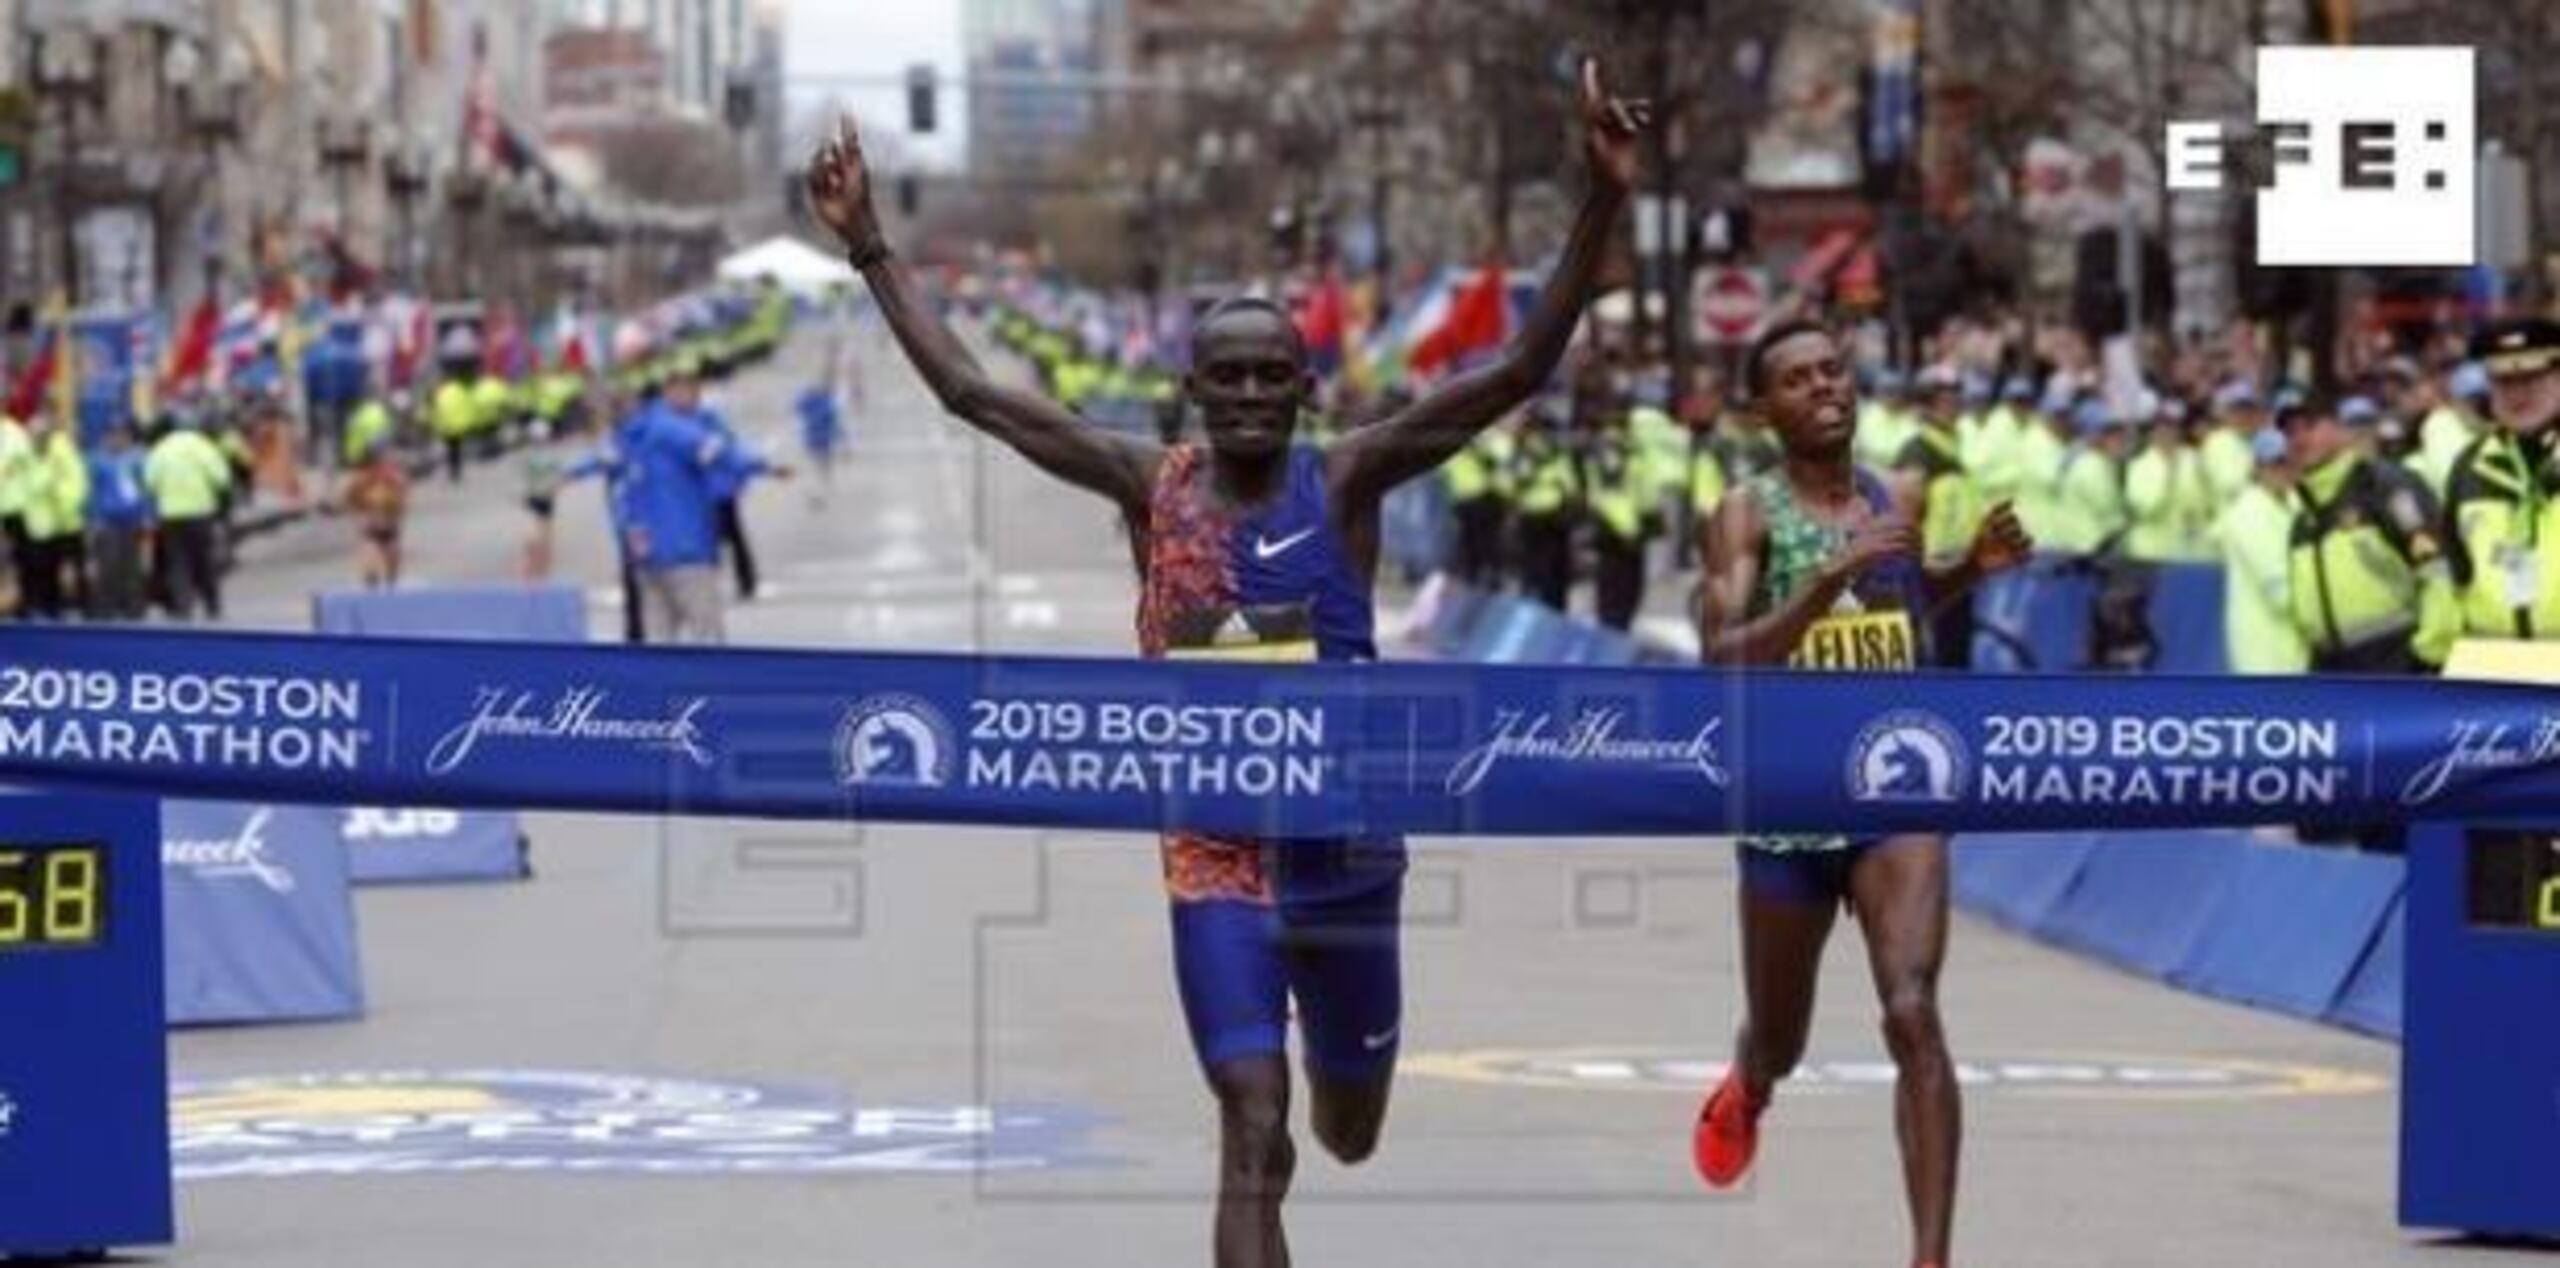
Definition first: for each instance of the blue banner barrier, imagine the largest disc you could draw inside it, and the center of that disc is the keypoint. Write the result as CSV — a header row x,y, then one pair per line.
x,y
2033,620
1416,528
391,846
260,925
1310,750
2372,998
2143,902
2017,879
2040,619
1461,607
406,846
541,614
2313,933
2290,927
1513,631
2186,620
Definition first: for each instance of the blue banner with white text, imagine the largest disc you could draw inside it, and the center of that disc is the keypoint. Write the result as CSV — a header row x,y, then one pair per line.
x,y
1304,750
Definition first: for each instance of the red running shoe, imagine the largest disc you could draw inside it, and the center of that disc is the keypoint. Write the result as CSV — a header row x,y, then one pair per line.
x,y
1727,1134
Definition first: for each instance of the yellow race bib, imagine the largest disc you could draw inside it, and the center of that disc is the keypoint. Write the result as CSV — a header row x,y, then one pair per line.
x,y
1867,641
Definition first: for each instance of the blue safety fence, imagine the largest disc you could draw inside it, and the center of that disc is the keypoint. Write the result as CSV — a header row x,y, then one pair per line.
x,y
1417,531
1456,621
2044,617
403,845
260,925
2307,932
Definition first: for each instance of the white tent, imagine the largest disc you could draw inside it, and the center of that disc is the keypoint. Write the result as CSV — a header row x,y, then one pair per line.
x,y
797,265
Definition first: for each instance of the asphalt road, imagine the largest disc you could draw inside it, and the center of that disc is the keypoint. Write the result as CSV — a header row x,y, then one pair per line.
x,y
892,1045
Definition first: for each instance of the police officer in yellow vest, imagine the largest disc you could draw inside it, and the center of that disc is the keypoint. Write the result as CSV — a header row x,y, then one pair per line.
x,y
1708,478
2255,533
1885,420
1477,478
495,406
369,425
1931,480
1619,486
2503,496
1991,443
1545,486
2044,442
57,514
2169,508
2437,426
17,463
2228,450
2371,588
454,411
2088,512
187,476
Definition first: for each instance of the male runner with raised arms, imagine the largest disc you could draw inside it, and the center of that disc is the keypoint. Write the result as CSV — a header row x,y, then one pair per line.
x,y
1809,566
1255,545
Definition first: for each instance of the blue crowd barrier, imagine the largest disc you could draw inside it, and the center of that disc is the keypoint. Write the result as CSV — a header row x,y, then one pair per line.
x,y
261,927
2018,878
548,614
1416,528
2372,998
2311,933
2033,619
2290,927
410,845
1503,634
1462,606
2143,901
2039,618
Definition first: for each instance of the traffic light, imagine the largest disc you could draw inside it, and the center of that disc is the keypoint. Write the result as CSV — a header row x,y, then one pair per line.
x,y
910,195
920,94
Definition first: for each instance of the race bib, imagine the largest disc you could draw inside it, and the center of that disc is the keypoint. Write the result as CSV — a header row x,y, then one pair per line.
x,y
1268,632
1858,641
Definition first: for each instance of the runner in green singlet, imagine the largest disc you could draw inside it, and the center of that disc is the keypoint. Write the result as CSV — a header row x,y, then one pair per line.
x,y
1811,566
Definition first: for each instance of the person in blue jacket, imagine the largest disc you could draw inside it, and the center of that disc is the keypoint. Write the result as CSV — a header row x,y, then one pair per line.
x,y
681,464
606,462
821,430
119,526
683,395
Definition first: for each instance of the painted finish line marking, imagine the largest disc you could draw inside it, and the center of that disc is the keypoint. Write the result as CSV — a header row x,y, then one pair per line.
x,y
406,1122
2080,1076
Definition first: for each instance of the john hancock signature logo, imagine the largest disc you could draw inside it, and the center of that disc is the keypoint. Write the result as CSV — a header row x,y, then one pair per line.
x,y
577,715
1590,736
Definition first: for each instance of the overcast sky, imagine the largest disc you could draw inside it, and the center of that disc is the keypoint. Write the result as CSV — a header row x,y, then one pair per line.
x,y
878,39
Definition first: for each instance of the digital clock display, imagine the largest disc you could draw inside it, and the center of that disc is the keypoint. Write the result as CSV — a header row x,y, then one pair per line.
x,y
2515,880
52,896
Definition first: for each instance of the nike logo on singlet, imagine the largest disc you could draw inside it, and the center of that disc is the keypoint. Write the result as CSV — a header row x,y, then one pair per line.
x,y
1266,550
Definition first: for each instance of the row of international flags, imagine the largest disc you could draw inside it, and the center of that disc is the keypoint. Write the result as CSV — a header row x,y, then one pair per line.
x,y
127,364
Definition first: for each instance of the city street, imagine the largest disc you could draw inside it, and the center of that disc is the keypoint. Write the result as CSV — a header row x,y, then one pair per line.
x,y
980,1024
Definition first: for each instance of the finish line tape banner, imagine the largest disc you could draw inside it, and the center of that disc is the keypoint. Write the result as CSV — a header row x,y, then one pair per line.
x,y
1305,751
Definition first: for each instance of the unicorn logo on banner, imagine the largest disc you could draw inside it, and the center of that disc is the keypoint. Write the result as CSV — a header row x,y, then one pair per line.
x,y
1907,757
894,741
